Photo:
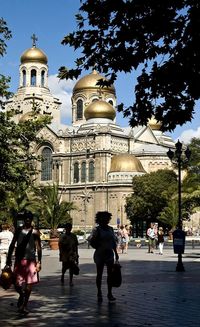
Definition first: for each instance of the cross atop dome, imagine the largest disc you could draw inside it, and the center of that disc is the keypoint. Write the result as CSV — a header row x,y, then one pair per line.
x,y
34,39
34,54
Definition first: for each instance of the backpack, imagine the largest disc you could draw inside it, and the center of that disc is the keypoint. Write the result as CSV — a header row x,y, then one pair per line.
x,y
94,239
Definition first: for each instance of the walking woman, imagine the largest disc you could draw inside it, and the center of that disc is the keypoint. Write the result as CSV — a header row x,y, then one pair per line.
x,y
28,255
160,240
68,248
106,250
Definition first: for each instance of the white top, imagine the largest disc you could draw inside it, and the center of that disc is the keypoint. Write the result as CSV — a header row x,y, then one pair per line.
x,y
5,239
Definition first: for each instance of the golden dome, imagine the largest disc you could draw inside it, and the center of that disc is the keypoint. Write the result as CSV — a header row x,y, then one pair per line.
x,y
34,55
154,124
126,163
100,109
90,82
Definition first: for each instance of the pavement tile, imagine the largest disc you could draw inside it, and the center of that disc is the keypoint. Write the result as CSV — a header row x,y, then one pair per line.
x,y
152,294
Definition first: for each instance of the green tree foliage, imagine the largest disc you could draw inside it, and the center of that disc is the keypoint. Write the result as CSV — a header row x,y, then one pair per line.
x,y
51,209
161,38
151,194
191,183
4,90
19,200
16,158
169,214
194,161
5,34
4,81
156,194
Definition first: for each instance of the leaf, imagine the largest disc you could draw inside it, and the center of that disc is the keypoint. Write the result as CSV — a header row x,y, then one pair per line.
x,y
160,38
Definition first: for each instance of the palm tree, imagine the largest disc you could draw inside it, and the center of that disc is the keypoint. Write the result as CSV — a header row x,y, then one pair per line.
x,y
169,215
52,210
16,202
191,192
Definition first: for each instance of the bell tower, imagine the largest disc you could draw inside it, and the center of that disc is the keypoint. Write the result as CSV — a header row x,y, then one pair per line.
x,y
86,91
33,68
33,86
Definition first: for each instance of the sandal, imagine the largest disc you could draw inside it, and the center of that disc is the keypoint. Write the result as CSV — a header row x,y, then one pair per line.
x,y
23,311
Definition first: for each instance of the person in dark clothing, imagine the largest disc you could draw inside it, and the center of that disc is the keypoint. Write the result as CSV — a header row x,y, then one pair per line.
x,y
106,249
68,247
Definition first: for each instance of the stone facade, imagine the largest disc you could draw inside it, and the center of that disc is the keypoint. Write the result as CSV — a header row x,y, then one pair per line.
x,y
94,159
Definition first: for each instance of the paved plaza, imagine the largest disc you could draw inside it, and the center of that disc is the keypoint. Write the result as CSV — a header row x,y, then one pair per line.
x,y
152,293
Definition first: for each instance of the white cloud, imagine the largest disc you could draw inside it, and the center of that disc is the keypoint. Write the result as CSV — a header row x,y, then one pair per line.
x,y
62,90
188,134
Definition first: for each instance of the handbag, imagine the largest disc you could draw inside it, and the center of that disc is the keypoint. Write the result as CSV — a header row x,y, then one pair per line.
x,y
75,268
6,278
94,239
116,275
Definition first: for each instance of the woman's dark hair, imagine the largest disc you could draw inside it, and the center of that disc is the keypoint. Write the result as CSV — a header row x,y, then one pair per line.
x,y
68,225
103,216
25,215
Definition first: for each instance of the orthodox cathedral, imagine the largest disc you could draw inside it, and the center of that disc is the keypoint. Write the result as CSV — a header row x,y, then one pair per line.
x,y
93,160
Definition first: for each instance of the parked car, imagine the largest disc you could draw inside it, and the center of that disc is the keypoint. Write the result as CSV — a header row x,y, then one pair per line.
x,y
81,239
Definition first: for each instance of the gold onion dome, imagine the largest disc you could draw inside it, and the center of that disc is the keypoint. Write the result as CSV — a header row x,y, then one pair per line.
x,y
34,55
90,82
154,124
100,109
126,163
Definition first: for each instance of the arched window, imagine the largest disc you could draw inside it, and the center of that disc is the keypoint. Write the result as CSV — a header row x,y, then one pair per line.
x,y
83,172
111,102
33,77
24,77
95,99
42,77
76,173
79,112
46,164
91,171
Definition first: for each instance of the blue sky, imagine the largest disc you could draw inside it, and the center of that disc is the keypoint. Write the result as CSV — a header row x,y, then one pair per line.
x,y
51,20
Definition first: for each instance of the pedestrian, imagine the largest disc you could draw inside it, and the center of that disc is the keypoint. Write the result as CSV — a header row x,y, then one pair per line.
x,y
26,266
68,248
156,234
151,233
160,240
126,234
118,237
123,239
6,237
105,250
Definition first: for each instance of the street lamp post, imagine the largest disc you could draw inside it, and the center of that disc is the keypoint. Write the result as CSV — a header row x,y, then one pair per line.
x,y
86,194
86,197
179,156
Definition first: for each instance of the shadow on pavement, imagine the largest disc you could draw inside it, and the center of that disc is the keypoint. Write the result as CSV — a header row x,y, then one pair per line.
x,y
150,289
